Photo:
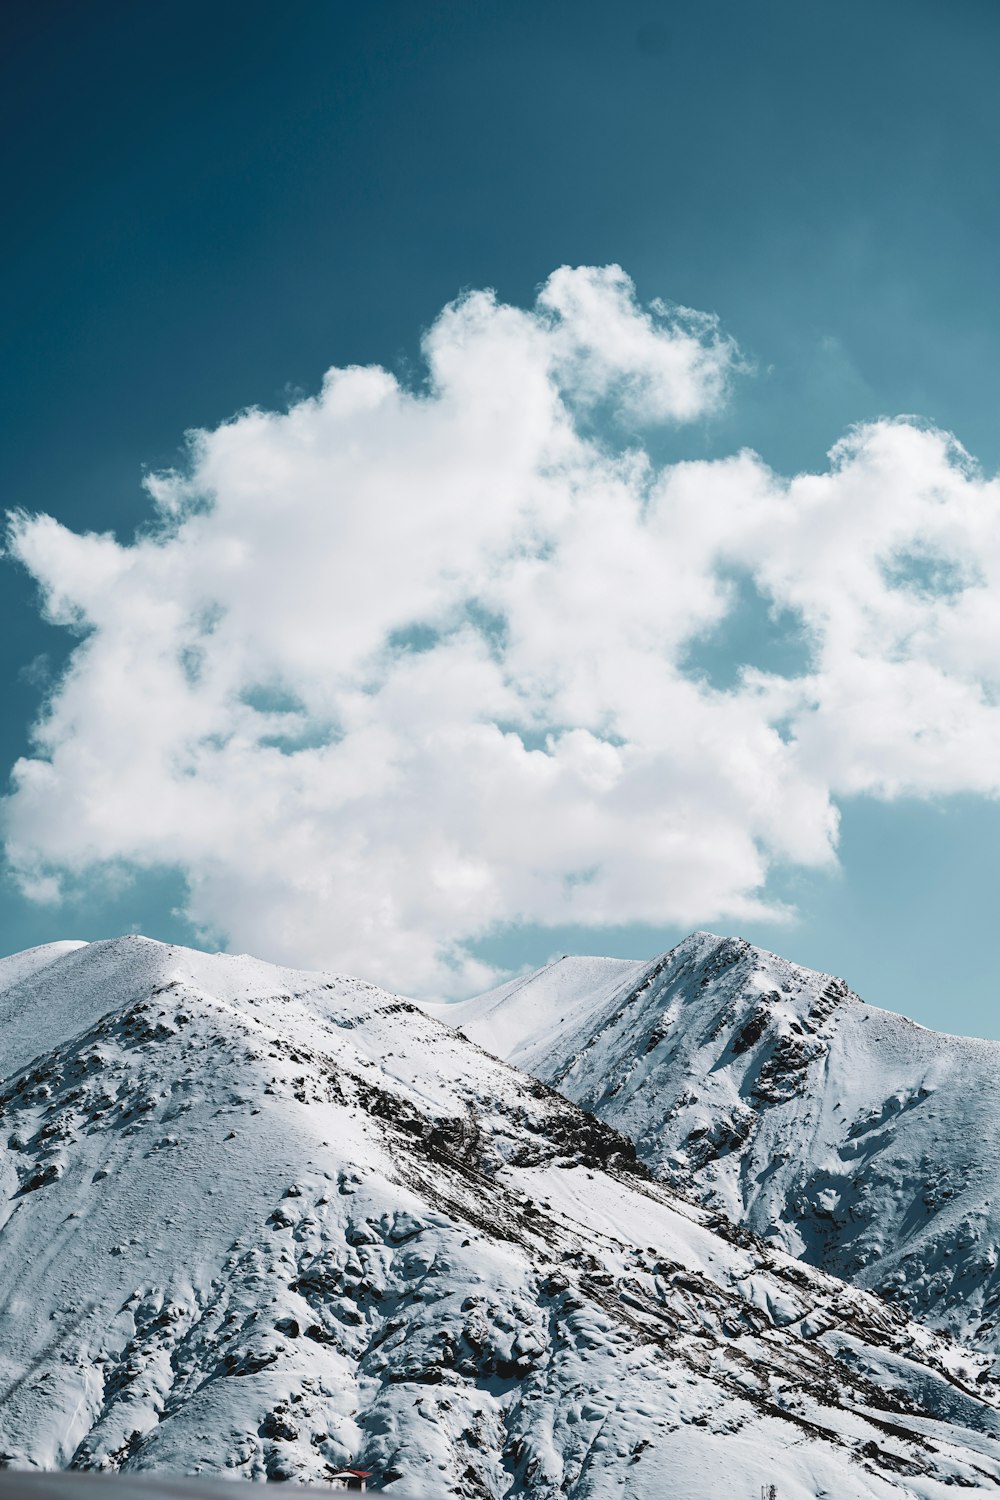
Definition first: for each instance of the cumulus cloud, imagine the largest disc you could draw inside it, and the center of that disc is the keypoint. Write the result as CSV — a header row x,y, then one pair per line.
x,y
396,666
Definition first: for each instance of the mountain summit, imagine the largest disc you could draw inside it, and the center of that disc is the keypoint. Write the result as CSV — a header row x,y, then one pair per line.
x,y
271,1224
853,1138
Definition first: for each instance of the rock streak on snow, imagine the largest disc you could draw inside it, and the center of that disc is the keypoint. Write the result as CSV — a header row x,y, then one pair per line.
x,y
263,1223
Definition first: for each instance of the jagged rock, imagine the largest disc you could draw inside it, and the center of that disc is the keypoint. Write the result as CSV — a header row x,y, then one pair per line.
x,y
476,1286
851,1137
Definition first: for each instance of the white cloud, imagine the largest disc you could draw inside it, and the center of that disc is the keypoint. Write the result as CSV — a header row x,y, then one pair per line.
x,y
400,666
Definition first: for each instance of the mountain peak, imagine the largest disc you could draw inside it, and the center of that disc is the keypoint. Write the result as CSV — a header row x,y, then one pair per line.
x,y
273,1224
849,1135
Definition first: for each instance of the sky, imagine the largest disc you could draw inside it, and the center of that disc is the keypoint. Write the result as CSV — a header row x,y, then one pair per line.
x,y
549,623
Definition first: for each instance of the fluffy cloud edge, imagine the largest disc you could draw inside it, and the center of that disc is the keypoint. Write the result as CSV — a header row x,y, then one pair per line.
x,y
397,668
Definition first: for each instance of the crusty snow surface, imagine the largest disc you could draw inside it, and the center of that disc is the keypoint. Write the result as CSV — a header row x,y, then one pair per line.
x,y
853,1138
263,1223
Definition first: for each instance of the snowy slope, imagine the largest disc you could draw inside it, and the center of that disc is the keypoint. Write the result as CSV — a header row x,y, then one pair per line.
x,y
533,1014
262,1223
850,1136
35,1010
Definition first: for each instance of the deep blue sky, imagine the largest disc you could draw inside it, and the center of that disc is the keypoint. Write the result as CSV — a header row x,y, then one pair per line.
x,y
208,205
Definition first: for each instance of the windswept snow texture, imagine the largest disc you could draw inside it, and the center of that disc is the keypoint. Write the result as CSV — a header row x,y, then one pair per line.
x,y
853,1138
265,1223
528,1020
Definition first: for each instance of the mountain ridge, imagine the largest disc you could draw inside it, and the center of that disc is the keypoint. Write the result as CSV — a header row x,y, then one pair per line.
x,y
857,1139
264,1223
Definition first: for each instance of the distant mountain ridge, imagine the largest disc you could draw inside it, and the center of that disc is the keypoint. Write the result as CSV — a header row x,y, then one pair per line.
x,y
852,1137
264,1223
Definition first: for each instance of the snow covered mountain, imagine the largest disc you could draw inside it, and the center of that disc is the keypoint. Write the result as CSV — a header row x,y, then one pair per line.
x,y
265,1223
850,1136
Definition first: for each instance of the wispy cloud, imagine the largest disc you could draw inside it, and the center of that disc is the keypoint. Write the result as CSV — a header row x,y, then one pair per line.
x,y
397,666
